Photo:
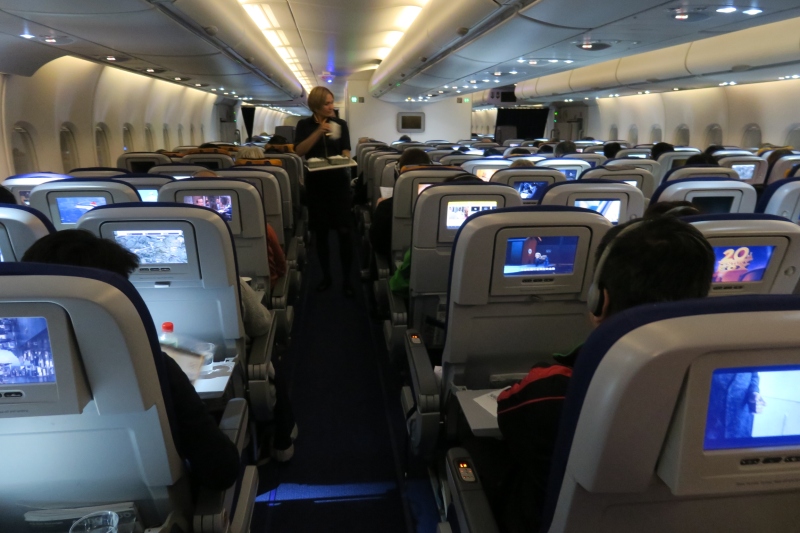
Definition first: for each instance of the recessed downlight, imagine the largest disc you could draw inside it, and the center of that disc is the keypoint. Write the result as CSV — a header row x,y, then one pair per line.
x,y
513,72
727,9
27,36
752,11
593,46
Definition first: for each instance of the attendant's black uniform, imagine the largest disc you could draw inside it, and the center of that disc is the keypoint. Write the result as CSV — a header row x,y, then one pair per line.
x,y
328,196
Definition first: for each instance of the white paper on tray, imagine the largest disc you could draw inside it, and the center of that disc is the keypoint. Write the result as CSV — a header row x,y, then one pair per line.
x,y
387,192
489,401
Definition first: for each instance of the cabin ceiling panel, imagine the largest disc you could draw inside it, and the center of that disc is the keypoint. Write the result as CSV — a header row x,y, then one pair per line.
x,y
207,65
24,58
455,67
580,14
76,7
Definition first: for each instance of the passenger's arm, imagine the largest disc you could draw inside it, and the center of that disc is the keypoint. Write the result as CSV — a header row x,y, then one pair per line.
x,y
213,459
304,146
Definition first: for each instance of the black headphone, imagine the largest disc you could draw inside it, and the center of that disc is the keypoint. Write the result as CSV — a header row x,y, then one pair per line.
x,y
595,298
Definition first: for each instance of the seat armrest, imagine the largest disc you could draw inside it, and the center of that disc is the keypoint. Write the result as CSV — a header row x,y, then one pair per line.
x,y
426,390
280,293
469,499
260,395
173,524
234,421
383,266
398,314
291,252
243,515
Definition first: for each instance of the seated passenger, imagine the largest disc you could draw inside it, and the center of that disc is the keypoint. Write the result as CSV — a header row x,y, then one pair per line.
x,y
545,149
492,151
213,460
610,150
676,208
702,159
713,148
522,163
518,151
6,196
658,260
380,230
249,152
565,148
405,139
775,156
659,149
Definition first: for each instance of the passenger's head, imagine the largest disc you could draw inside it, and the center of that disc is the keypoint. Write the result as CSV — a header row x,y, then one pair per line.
x,y
209,145
320,102
492,151
278,139
519,151
702,159
676,208
775,156
205,174
565,148
659,260
610,150
250,152
659,149
6,196
545,149
413,156
463,178
80,248
713,148
405,138
521,163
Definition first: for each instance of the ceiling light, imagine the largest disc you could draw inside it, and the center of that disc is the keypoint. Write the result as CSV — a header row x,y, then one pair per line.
x,y
732,83
647,92
111,58
459,92
178,79
795,77
441,92
498,73
682,16
486,81
587,46
465,86
781,78
49,40
225,93
150,70
497,81
751,11
222,88
513,72
586,98
214,90
198,84
534,62
520,60
233,92
552,60
473,82
727,9
675,89
640,92
616,95
568,61
723,84
26,36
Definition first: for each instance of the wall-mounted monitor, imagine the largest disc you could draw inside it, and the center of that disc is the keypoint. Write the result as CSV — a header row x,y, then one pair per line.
x,y
485,173
411,122
422,186
539,260
635,183
678,162
637,156
745,171
166,250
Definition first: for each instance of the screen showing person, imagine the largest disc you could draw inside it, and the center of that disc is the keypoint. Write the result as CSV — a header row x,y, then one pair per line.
x,y
154,247
71,208
485,173
608,208
527,189
25,197
220,204
753,408
745,171
540,255
141,167
737,264
149,195
25,353
459,211
570,173
422,186
709,205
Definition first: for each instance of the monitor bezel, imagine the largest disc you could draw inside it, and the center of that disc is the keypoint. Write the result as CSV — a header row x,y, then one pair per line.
x,y
688,469
781,245
69,394
622,197
235,223
55,213
448,235
539,283
177,271
401,115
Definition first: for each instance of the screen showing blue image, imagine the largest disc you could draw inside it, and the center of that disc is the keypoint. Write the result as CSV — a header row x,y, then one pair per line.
x,y
71,208
738,264
154,247
25,197
745,171
149,195
25,353
527,189
527,256
753,407
570,173
607,208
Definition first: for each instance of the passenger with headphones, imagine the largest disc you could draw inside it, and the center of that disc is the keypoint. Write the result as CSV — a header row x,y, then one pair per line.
x,y
660,259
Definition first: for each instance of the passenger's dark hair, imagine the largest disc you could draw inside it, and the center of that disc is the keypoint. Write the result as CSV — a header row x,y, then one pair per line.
x,y
678,208
545,149
492,151
413,156
587,138
610,150
713,148
6,196
278,139
565,148
404,138
463,178
702,159
659,149
80,248
661,260
519,151
208,145
775,156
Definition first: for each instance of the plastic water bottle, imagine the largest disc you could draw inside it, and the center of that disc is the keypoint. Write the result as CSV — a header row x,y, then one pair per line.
x,y
168,337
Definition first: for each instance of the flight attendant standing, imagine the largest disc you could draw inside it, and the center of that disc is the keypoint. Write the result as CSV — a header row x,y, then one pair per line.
x,y
327,191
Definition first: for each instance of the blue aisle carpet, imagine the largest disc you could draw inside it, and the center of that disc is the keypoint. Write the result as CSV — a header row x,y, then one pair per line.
x,y
347,473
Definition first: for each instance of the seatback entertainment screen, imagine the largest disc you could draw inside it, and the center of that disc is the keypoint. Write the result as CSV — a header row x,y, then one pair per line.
x,y
71,208
745,171
25,353
220,204
154,247
741,264
528,189
608,208
459,211
540,255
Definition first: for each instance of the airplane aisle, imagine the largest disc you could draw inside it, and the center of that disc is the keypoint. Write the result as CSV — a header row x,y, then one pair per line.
x,y
346,474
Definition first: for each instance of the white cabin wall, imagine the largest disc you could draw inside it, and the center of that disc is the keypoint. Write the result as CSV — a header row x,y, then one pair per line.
x,y
483,121
84,94
770,105
445,119
265,120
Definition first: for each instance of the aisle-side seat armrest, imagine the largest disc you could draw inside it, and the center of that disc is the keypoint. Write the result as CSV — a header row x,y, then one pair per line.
x,y
291,252
423,379
383,266
280,293
469,499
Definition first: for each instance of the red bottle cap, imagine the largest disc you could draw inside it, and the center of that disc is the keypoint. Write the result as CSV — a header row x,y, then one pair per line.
x,y
167,327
